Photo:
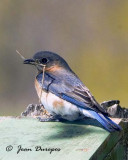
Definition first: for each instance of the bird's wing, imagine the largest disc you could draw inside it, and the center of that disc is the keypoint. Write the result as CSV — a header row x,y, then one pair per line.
x,y
71,90
82,97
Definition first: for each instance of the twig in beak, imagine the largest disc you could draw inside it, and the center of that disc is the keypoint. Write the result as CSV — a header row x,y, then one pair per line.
x,y
42,83
20,55
42,75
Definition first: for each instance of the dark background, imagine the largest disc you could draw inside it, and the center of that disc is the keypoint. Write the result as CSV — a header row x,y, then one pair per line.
x,y
91,35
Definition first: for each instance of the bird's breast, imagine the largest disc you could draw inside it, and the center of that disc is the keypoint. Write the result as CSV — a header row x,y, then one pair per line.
x,y
57,106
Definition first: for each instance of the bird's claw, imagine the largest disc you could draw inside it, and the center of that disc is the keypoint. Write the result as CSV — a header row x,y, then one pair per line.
x,y
50,119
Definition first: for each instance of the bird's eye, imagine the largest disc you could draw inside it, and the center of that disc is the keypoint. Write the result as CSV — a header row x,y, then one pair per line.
x,y
44,60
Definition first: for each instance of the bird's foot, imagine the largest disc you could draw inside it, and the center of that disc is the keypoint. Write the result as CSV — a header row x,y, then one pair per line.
x,y
49,119
114,109
34,110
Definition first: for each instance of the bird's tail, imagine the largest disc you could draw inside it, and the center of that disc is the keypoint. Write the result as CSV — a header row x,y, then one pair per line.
x,y
106,122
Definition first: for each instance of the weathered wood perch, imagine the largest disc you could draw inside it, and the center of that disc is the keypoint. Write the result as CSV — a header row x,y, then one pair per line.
x,y
82,140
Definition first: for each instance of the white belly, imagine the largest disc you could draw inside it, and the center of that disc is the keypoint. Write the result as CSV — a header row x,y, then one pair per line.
x,y
57,106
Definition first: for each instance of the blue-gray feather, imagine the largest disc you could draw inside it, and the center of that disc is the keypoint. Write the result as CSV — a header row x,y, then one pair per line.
x,y
71,89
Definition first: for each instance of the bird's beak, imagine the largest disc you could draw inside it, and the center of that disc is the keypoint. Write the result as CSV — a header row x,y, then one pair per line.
x,y
29,61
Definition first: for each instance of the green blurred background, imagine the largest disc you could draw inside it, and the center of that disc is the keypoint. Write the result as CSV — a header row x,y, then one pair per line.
x,y
91,35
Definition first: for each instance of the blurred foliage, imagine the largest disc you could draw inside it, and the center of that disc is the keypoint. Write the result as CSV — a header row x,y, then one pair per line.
x,y
91,35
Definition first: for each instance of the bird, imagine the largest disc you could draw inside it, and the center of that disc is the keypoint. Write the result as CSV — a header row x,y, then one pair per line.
x,y
63,94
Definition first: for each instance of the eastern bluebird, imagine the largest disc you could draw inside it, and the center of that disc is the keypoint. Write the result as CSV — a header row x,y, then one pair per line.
x,y
63,94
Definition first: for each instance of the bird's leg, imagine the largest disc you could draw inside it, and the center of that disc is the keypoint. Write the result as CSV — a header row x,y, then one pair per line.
x,y
34,110
114,109
50,119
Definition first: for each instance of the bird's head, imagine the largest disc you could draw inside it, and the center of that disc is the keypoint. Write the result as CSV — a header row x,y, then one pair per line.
x,y
50,60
